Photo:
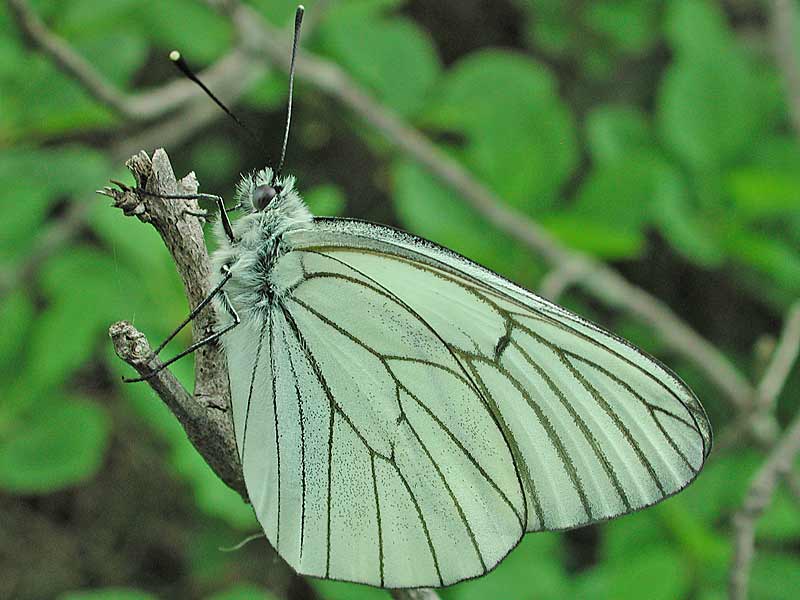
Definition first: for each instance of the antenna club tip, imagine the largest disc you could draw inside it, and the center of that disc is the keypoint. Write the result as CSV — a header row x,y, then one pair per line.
x,y
174,56
301,8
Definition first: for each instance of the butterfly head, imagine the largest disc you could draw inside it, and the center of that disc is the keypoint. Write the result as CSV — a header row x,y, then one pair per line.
x,y
271,205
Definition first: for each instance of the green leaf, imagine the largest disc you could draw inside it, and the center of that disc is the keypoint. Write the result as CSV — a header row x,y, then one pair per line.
x,y
85,292
242,591
615,131
118,55
775,576
16,316
112,593
325,200
760,192
200,33
781,521
428,209
211,495
215,157
618,197
390,55
338,590
635,578
537,558
269,92
33,180
548,25
710,108
721,487
521,138
81,17
629,25
40,100
772,257
62,443
587,235
688,230
697,28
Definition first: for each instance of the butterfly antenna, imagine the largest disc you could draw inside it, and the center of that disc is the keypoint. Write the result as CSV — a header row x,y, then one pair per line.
x,y
298,20
184,68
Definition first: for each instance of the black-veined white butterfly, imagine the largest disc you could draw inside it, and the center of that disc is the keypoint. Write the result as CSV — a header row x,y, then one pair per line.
x,y
403,415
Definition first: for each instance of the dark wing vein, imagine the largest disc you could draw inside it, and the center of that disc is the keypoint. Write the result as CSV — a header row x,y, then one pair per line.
x,y
552,435
587,434
553,315
422,520
651,408
277,426
384,360
377,514
252,383
302,445
473,385
564,327
326,389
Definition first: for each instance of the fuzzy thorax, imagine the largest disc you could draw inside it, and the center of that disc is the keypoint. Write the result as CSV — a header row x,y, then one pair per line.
x,y
258,240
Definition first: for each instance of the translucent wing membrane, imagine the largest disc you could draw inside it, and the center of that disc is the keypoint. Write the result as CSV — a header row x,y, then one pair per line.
x,y
415,414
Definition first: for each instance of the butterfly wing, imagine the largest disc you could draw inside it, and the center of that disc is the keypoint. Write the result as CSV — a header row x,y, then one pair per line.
x,y
417,413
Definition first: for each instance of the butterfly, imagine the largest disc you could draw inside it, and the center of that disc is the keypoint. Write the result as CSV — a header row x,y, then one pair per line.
x,y
404,416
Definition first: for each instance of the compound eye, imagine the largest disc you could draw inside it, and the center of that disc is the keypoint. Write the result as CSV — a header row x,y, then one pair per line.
x,y
263,195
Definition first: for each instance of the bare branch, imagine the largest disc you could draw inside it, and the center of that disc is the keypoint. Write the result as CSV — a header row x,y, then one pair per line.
x,y
758,498
780,365
559,279
204,415
782,23
758,422
418,594
228,71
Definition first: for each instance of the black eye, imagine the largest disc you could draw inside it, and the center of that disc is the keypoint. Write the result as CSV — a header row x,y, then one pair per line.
x,y
263,195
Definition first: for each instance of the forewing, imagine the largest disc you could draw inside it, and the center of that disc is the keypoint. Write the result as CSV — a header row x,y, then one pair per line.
x,y
368,451
596,427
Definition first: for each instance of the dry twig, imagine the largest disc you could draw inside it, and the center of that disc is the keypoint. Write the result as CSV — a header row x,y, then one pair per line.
x,y
780,366
782,23
204,415
228,71
779,462
758,498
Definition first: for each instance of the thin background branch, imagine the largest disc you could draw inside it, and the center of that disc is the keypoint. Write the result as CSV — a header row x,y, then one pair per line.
x,y
783,359
758,498
782,22
145,106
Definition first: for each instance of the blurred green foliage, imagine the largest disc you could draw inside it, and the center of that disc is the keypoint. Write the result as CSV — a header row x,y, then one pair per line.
x,y
650,133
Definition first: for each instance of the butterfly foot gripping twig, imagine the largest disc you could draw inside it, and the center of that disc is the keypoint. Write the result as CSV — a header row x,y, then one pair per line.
x,y
212,336
203,414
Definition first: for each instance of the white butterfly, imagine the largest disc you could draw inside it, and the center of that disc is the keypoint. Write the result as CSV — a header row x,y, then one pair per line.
x,y
403,416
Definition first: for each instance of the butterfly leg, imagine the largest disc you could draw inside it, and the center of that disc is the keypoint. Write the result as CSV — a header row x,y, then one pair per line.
x,y
206,340
223,213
